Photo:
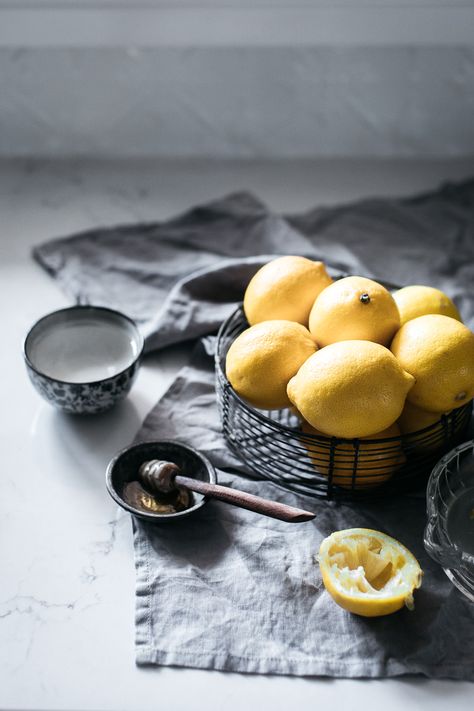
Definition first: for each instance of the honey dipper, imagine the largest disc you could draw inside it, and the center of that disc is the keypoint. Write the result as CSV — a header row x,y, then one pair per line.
x,y
161,477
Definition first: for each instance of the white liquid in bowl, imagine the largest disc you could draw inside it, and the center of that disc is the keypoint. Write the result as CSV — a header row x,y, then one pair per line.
x,y
84,348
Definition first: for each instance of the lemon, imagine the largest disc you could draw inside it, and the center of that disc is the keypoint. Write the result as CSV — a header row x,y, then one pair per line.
x,y
354,308
350,389
263,358
439,352
367,572
285,288
413,301
375,461
414,418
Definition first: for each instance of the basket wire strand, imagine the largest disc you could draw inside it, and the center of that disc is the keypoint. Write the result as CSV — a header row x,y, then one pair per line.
x,y
273,445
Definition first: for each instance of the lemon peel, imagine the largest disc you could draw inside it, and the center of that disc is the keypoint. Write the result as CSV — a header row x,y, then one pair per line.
x,y
376,461
350,389
264,357
354,308
285,288
418,300
439,352
368,573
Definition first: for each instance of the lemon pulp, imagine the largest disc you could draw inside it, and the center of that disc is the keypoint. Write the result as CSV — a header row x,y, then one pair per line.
x,y
367,572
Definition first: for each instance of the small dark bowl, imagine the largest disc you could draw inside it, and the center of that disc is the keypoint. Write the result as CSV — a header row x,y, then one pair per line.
x,y
102,346
125,465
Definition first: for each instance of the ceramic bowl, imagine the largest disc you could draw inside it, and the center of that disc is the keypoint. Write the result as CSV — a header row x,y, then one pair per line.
x,y
83,359
449,532
124,467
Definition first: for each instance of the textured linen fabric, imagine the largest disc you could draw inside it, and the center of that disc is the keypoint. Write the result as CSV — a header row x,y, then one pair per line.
x,y
228,589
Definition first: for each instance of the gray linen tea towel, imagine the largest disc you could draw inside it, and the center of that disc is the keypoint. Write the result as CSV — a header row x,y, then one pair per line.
x,y
229,589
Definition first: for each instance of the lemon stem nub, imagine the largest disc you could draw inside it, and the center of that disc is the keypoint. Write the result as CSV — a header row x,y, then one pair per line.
x,y
365,298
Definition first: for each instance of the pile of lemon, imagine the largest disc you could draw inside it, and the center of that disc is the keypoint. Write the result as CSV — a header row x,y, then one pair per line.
x,y
353,359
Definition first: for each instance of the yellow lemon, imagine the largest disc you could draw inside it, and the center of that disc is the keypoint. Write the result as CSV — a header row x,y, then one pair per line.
x,y
354,308
285,288
367,572
263,358
413,301
413,419
439,352
375,461
350,389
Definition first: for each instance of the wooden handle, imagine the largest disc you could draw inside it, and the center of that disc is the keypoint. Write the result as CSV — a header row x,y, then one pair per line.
x,y
246,501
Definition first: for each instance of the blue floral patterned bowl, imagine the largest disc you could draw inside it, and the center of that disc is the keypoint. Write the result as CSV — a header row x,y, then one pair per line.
x,y
83,359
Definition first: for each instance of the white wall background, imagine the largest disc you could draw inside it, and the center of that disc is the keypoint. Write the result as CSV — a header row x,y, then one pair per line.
x,y
237,79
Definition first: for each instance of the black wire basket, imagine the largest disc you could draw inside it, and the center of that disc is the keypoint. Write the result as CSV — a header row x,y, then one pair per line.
x,y
274,445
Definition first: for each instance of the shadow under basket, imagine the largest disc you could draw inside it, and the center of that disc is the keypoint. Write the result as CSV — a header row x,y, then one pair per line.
x,y
273,445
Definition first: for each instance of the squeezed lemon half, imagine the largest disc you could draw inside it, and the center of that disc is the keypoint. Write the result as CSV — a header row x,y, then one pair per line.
x,y
367,572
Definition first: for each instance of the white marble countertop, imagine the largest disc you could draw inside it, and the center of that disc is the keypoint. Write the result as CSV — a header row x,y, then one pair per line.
x,y
67,583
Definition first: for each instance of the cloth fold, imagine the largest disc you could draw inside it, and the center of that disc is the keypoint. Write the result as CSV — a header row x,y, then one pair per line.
x,y
227,589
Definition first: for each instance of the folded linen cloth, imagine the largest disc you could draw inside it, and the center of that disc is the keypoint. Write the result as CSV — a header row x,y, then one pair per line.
x,y
227,589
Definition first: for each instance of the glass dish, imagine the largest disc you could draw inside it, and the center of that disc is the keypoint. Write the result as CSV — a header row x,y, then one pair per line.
x,y
449,533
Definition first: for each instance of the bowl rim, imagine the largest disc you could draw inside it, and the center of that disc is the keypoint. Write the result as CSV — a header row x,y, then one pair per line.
x,y
83,307
156,518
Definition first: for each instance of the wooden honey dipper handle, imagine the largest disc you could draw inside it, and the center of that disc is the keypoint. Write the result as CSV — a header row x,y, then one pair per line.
x,y
163,477
246,501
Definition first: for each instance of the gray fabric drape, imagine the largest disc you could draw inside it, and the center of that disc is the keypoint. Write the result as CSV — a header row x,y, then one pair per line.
x,y
227,589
